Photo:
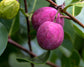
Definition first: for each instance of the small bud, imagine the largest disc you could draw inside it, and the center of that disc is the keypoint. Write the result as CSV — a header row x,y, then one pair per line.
x,y
9,9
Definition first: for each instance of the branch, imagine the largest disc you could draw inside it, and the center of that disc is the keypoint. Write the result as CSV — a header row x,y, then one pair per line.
x,y
72,17
28,28
29,52
28,25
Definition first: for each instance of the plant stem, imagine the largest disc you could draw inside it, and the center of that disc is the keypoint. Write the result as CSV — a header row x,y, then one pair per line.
x,y
28,28
67,17
11,29
29,52
72,17
34,5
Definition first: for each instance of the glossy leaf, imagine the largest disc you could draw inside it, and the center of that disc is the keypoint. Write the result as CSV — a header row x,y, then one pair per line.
x,y
3,38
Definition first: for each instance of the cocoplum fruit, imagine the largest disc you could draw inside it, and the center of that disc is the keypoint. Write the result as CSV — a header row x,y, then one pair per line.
x,y
46,14
50,35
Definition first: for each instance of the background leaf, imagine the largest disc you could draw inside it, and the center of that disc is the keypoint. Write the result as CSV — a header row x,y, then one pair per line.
x,y
14,63
72,61
15,25
37,60
67,47
3,38
79,30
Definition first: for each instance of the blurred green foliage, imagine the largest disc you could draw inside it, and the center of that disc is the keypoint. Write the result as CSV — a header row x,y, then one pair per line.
x,y
70,54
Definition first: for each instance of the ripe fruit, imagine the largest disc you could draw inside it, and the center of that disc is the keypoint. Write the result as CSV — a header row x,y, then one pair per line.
x,y
45,14
50,35
60,20
8,9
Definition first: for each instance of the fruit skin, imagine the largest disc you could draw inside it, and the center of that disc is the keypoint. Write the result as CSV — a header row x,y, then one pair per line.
x,y
50,35
45,14
9,9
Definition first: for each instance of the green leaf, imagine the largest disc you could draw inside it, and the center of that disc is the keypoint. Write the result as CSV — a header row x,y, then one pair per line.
x,y
76,7
72,61
67,2
53,56
68,28
15,25
78,4
14,63
79,30
67,47
41,3
6,23
37,60
75,3
65,51
78,42
77,10
3,38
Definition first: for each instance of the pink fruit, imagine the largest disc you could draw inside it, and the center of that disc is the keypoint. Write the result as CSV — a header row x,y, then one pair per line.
x,y
50,35
60,20
44,14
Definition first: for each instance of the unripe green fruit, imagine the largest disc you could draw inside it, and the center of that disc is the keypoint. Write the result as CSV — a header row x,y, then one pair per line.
x,y
50,35
9,9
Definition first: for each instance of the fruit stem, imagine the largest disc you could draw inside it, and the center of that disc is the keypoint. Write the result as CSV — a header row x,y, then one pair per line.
x,y
28,29
67,17
72,17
